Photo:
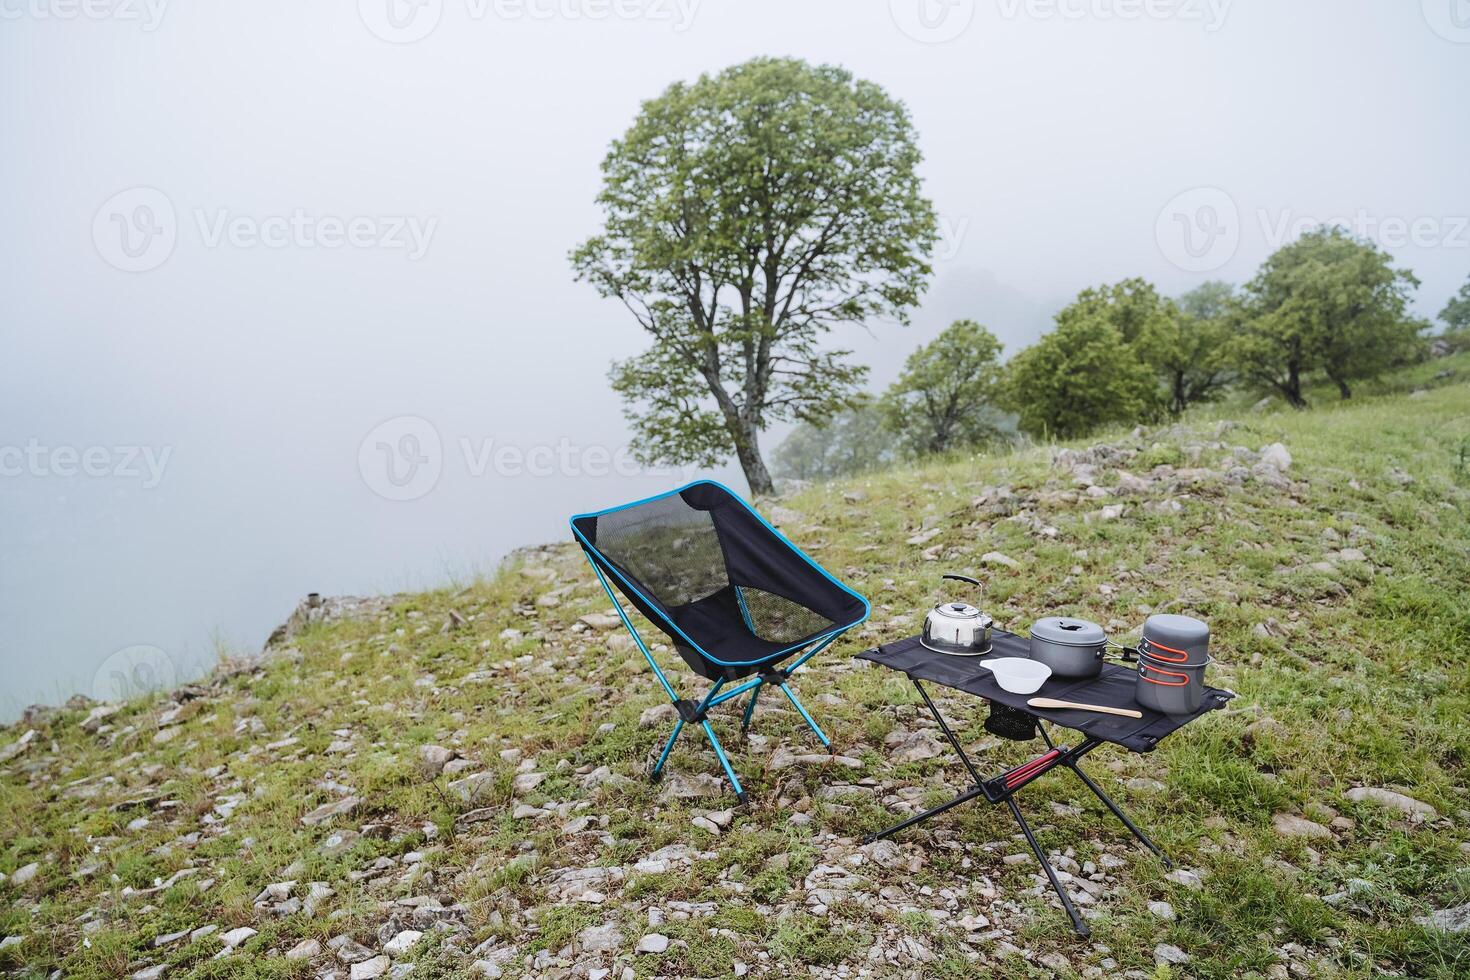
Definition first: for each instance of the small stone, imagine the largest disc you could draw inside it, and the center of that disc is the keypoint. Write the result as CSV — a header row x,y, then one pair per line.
x,y
433,758
235,937
304,950
1277,456
1014,859
327,811
1189,879
1161,910
600,621
402,943
1396,801
1455,920
1142,784
1055,962
996,558
371,969
23,875
657,715
527,781
1352,554
916,747
604,938
1289,825
654,942
1172,955
150,973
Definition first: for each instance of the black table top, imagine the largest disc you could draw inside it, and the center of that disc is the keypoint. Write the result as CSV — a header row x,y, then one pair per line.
x,y
1113,687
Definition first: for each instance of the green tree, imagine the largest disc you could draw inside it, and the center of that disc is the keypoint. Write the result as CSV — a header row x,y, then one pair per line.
x,y
1144,320
745,216
1076,378
944,399
1192,356
1456,313
1327,301
852,441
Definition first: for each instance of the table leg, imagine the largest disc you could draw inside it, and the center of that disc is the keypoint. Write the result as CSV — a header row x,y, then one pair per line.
x,y
1078,925
955,742
964,797
1118,812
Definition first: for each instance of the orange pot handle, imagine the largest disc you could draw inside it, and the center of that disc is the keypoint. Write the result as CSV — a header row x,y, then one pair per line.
x,y
1182,682
1183,654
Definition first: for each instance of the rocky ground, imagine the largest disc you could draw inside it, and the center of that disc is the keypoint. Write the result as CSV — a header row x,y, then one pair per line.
x,y
453,784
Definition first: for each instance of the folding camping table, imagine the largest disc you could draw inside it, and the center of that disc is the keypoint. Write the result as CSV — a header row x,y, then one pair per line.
x,y
1112,687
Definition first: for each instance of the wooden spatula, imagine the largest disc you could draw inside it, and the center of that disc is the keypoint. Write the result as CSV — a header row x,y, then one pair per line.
x,y
1099,708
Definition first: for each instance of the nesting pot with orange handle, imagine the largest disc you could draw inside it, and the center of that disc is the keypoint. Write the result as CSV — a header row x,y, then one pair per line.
x,y
1173,656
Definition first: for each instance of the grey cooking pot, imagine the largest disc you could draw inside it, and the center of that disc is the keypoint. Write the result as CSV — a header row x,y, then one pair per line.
x,y
1070,647
1176,640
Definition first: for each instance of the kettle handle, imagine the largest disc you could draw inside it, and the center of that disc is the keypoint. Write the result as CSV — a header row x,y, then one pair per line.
x,y
962,578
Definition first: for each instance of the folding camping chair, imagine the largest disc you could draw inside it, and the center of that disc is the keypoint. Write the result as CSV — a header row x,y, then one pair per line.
x,y
733,595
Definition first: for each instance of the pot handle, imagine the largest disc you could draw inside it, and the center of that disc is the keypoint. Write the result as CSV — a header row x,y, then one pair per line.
x,y
1144,668
962,578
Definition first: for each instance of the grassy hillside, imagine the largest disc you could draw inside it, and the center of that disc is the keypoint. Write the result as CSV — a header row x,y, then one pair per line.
x,y
287,818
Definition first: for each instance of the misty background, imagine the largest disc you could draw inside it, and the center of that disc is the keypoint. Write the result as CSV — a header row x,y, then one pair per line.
x,y
258,258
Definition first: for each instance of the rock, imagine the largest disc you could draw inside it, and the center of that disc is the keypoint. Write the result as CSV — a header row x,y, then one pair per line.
x,y
1161,910
1400,477
97,716
1189,879
654,942
994,558
370,969
1455,920
402,943
527,781
486,968
150,973
235,937
706,824
721,818
433,758
471,788
304,950
916,747
924,537
18,746
327,811
1055,962
1276,456
10,941
349,950
1109,513
600,621
24,875
1142,784
657,715
1289,825
1017,858
1352,554
689,787
1172,955
604,938
1396,801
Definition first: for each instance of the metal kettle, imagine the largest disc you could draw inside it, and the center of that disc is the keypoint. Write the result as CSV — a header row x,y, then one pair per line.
x,y
957,628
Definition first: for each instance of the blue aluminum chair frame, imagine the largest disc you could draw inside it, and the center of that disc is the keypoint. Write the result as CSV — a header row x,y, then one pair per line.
x,y
690,711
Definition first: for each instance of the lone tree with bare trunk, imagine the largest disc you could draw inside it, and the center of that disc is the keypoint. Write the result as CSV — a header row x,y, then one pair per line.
x,y
746,215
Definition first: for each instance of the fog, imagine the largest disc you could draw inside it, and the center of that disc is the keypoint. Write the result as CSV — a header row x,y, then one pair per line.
x,y
284,288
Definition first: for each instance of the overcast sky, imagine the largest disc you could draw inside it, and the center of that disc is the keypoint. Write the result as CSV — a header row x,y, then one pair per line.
x,y
255,252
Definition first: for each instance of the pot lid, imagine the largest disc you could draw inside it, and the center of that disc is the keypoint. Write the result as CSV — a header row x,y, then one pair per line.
x,y
958,611
1068,631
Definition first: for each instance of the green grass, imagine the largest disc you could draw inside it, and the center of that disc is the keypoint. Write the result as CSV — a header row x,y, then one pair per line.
x,y
1360,669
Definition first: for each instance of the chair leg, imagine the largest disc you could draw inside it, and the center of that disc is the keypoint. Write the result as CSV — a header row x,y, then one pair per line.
x,y
658,769
790,696
729,772
750,710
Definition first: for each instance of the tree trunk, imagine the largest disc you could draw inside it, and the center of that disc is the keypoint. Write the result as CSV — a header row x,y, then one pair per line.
x,y
748,451
1343,389
1181,396
1293,388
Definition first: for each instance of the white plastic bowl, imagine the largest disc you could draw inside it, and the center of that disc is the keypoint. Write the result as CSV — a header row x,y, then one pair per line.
x,y
1017,674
